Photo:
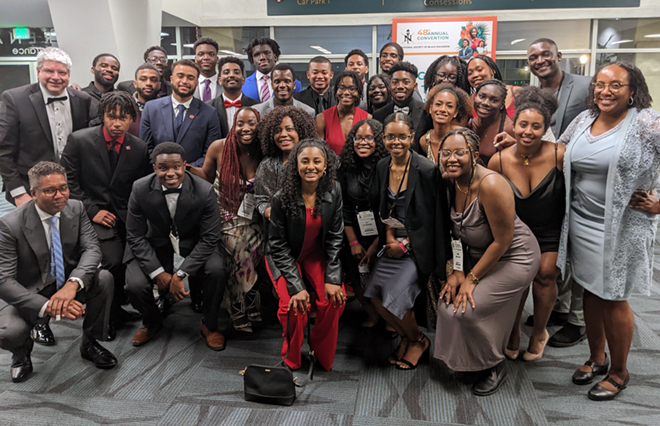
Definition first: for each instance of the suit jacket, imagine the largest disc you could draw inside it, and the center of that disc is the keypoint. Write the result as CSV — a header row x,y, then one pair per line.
x,y
91,180
148,223
25,255
267,106
200,88
307,97
219,105
127,86
286,240
25,136
251,88
573,94
416,110
200,127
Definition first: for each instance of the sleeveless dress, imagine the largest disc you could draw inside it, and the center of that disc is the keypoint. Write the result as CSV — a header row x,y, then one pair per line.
x,y
334,136
476,340
542,210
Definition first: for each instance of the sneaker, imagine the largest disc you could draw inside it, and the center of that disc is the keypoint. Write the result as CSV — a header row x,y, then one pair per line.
x,y
568,335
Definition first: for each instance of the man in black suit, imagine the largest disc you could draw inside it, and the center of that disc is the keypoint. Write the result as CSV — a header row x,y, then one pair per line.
x,y
105,69
49,258
318,95
402,87
231,70
172,212
102,163
156,56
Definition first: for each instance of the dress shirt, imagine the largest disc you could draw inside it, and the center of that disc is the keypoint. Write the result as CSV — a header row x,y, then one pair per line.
x,y
46,224
176,103
171,200
213,85
260,83
231,111
108,140
137,101
59,118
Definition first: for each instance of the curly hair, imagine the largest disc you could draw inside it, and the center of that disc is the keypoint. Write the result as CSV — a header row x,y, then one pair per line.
x,y
386,81
497,75
471,140
266,128
541,100
461,72
117,99
356,80
205,40
230,173
231,59
356,52
291,186
404,66
463,100
349,159
637,85
260,41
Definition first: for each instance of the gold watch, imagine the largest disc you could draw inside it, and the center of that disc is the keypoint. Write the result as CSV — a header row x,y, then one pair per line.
x,y
474,278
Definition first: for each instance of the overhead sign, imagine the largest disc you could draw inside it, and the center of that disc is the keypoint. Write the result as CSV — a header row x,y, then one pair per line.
x,y
323,7
21,33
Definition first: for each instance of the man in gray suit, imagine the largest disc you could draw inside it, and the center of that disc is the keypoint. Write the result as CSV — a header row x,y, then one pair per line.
x,y
571,91
283,77
206,58
49,258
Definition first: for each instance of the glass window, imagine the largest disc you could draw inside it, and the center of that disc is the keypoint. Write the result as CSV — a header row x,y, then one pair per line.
x,y
571,34
648,63
514,71
628,33
168,39
323,40
234,40
13,76
384,35
39,38
188,37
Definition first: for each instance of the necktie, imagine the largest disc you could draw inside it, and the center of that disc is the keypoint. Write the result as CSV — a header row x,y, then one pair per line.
x,y
320,104
405,109
172,191
112,155
51,100
56,259
265,91
236,103
206,96
179,116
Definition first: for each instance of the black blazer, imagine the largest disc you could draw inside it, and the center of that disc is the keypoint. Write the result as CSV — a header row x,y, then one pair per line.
x,y
307,97
421,209
90,178
416,109
148,223
165,87
25,136
219,104
286,238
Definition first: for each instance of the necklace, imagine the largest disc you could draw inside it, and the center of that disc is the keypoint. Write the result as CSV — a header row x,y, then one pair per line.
x,y
461,189
527,157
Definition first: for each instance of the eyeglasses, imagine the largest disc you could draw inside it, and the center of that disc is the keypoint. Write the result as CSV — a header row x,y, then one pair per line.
x,y
359,139
390,137
459,153
157,59
614,87
50,192
449,77
351,89
389,55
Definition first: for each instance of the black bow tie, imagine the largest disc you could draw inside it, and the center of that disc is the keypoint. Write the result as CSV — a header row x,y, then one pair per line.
x,y
172,191
51,100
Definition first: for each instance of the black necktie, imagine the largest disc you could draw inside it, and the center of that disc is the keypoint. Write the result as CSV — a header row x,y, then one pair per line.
x,y
172,191
112,155
51,100
320,104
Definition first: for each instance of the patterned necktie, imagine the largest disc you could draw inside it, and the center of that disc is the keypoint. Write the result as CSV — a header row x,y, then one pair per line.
x,y
206,96
56,259
179,116
405,109
265,91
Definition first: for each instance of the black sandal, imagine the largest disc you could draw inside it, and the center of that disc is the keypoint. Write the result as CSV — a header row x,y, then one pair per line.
x,y
407,365
392,359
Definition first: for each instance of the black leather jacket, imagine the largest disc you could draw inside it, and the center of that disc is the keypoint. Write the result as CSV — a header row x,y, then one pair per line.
x,y
287,235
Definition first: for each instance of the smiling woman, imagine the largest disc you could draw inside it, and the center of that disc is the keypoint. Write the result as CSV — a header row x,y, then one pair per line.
x,y
491,119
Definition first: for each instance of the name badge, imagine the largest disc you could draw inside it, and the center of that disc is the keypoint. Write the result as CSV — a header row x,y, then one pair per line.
x,y
363,268
247,206
457,252
394,223
367,223
175,242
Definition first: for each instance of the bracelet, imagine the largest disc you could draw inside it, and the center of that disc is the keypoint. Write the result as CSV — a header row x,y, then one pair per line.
x,y
403,247
475,280
354,243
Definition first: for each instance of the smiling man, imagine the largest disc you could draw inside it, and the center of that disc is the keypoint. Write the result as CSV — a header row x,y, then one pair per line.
x,y
318,95
156,56
403,86
206,58
284,83
105,68
263,53
181,118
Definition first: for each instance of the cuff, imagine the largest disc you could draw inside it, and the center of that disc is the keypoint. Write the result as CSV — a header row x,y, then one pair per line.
x,y
18,191
156,272
81,285
42,312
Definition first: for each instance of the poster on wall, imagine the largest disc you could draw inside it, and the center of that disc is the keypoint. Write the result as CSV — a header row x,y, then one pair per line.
x,y
424,39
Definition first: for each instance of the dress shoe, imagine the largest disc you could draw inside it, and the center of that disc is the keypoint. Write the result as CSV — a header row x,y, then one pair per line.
x,y
512,354
121,316
143,335
599,393
42,334
491,381
214,340
556,319
112,332
530,356
197,306
585,377
92,350
568,335
21,368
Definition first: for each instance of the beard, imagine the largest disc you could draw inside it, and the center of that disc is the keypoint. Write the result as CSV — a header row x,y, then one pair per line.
x,y
98,77
146,97
183,94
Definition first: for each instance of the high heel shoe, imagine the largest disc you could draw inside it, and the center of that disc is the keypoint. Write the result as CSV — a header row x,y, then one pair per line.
x,y
393,358
403,364
531,356
512,354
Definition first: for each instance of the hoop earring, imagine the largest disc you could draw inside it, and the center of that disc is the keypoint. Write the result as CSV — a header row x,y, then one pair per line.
x,y
631,100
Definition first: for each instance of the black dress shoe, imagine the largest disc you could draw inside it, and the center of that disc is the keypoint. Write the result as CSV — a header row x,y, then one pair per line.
x,y
585,377
112,332
197,306
599,393
21,368
491,381
42,334
101,357
568,335
556,319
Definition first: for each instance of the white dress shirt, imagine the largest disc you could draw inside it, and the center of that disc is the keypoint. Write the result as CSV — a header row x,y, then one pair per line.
x,y
213,85
171,200
260,83
231,111
176,103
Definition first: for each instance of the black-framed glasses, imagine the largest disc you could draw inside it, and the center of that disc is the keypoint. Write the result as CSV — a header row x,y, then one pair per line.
x,y
614,87
157,59
389,55
342,88
448,77
369,139
50,192
402,137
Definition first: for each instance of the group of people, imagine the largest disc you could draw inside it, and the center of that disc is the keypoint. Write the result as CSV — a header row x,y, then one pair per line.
x,y
463,200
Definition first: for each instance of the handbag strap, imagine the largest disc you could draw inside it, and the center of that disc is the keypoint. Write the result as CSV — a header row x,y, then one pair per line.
x,y
312,358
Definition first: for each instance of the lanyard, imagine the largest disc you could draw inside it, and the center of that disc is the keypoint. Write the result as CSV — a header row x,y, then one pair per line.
x,y
398,191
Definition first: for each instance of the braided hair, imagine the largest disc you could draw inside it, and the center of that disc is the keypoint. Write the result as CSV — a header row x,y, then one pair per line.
x,y
472,142
461,72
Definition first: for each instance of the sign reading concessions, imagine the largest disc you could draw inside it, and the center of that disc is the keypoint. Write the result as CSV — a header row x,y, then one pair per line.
x,y
323,7
424,39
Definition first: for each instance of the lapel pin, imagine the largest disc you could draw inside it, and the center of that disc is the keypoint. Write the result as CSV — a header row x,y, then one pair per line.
x,y
128,147
192,116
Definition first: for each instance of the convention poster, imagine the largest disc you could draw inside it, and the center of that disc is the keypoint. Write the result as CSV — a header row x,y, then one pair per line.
x,y
424,39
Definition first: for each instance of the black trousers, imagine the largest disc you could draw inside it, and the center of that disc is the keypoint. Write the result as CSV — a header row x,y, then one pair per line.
x,y
97,295
212,276
112,250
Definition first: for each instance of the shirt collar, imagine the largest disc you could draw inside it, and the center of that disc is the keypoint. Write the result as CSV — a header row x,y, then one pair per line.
x,y
43,215
213,78
178,187
137,101
176,103
260,75
46,94
108,138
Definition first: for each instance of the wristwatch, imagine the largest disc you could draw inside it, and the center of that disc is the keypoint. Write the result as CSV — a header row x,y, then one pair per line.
x,y
181,274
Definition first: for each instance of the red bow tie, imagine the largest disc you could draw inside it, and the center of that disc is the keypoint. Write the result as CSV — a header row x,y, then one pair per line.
x,y
236,103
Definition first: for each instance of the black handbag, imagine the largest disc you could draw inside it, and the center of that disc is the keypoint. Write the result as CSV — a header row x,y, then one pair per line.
x,y
274,384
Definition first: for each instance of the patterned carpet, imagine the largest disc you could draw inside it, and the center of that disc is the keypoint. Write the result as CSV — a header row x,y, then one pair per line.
x,y
177,380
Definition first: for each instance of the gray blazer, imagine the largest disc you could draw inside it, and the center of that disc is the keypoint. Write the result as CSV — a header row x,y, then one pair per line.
x,y
25,255
198,91
573,94
265,107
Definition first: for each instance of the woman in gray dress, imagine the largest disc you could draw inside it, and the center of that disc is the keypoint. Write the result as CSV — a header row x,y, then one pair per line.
x,y
502,257
610,167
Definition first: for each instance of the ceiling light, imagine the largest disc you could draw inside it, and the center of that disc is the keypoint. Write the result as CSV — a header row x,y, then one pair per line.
x,y
164,34
621,42
172,44
584,59
190,45
652,36
526,68
230,52
321,49
517,41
